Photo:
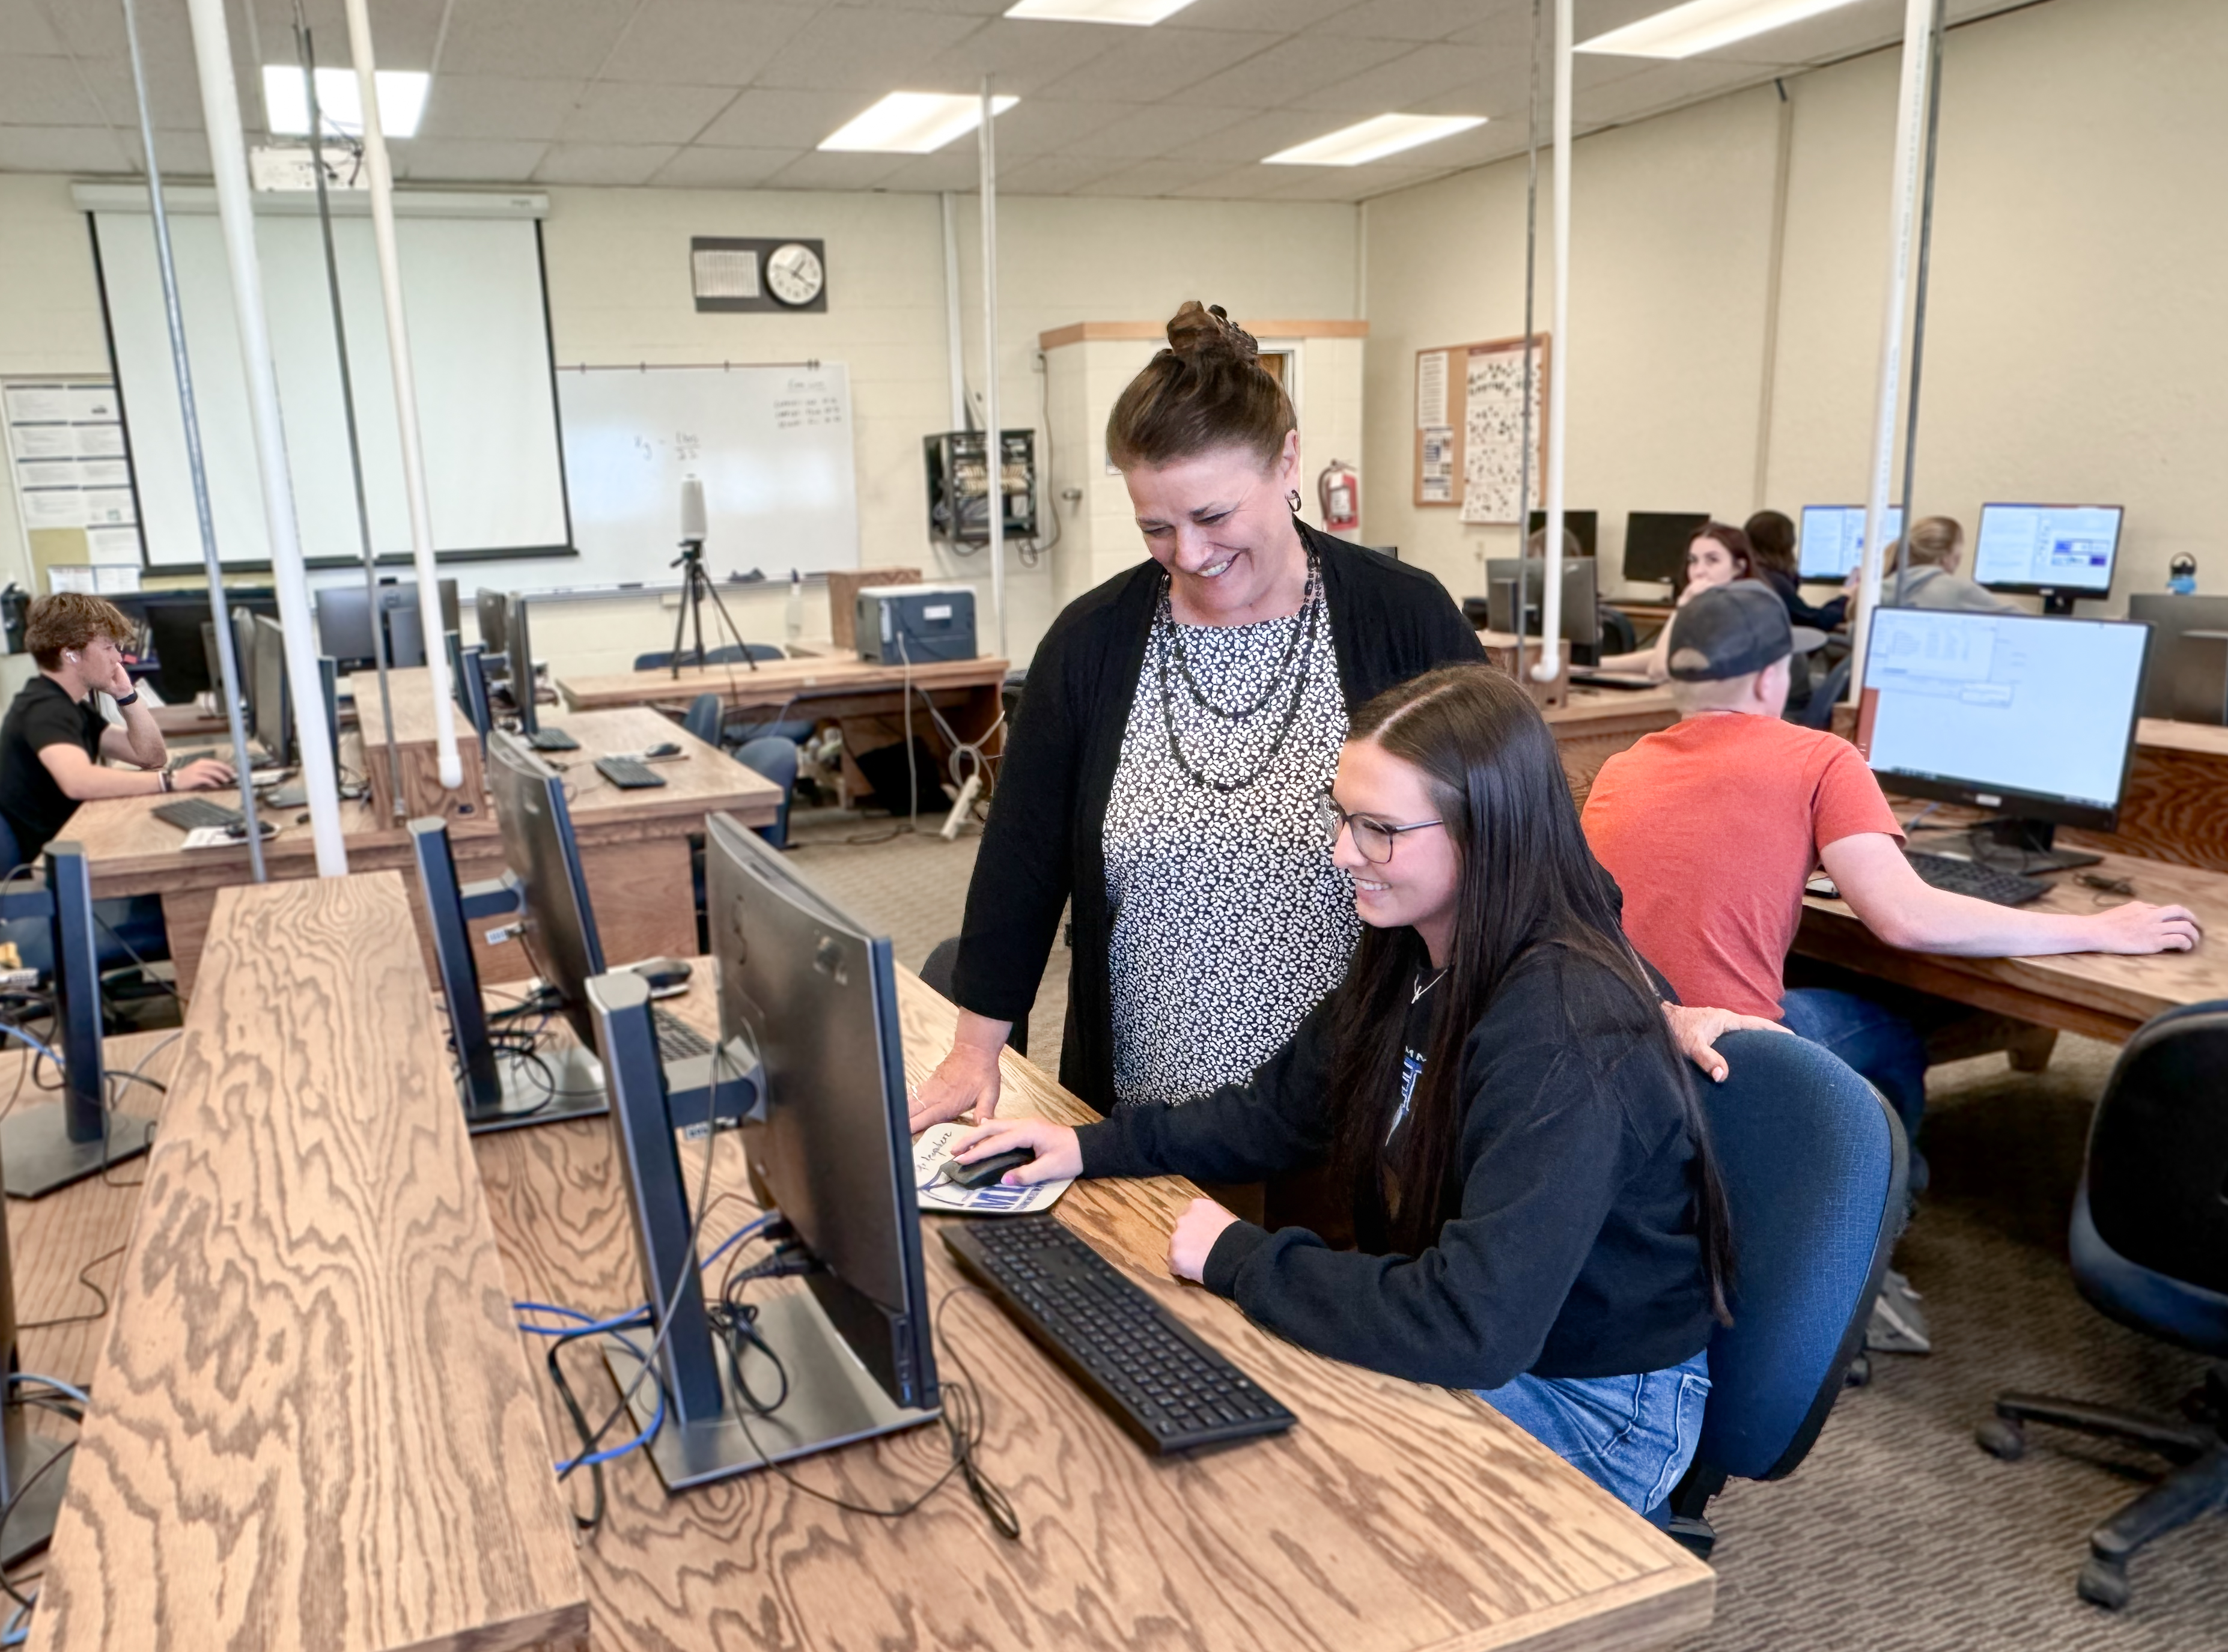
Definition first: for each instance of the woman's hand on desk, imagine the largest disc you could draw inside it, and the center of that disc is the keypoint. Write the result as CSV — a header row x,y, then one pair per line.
x,y
966,1080
1696,1032
1059,1155
1197,1229
2139,927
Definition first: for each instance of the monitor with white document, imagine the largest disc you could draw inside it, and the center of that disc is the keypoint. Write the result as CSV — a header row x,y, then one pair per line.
x,y
2030,717
2055,551
1832,540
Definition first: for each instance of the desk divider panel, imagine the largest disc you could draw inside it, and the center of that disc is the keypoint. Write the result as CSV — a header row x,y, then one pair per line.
x,y
313,1424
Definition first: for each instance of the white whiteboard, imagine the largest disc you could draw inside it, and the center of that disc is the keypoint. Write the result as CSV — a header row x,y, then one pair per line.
x,y
771,445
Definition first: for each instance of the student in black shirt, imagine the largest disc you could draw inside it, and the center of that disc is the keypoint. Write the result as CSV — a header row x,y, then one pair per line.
x,y
1494,1081
53,737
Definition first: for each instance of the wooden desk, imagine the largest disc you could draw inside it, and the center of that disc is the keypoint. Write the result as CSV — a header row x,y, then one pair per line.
x,y
634,846
417,746
1393,1517
313,1395
868,701
2088,993
1595,724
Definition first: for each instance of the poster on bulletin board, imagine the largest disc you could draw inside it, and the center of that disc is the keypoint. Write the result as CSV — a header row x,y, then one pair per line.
x,y
1469,426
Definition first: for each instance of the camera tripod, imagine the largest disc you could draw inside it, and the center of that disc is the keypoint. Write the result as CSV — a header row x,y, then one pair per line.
x,y
695,587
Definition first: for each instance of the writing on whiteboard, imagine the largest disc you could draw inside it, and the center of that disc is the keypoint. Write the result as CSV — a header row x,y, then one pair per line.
x,y
805,411
684,445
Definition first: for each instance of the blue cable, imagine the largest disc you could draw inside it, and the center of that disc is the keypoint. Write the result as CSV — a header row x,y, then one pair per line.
x,y
740,1235
14,1031
55,1383
611,1453
627,1321
590,1324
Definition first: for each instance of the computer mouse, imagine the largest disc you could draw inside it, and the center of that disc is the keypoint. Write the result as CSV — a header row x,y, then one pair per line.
x,y
982,1172
664,975
663,748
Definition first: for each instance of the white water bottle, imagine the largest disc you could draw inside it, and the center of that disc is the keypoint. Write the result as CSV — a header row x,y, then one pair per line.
x,y
795,619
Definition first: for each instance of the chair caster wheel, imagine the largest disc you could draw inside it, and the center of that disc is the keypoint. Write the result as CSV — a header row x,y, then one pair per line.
x,y
2104,1583
1859,1373
1999,1437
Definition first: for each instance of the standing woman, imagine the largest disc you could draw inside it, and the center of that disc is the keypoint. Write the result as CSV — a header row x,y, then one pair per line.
x,y
1179,725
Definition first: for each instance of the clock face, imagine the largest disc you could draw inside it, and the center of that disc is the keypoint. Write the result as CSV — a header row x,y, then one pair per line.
x,y
793,273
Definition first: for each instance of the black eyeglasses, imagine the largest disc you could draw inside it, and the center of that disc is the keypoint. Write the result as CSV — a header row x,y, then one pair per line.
x,y
1373,837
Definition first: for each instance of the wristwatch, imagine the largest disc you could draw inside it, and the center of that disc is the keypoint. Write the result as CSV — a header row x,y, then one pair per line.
x,y
131,699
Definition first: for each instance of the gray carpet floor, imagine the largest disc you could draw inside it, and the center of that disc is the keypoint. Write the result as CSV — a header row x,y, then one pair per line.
x,y
1897,1534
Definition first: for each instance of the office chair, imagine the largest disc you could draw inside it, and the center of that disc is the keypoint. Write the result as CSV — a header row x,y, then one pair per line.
x,y
2149,1245
731,654
703,719
1824,697
1814,1167
1618,635
937,969
775,758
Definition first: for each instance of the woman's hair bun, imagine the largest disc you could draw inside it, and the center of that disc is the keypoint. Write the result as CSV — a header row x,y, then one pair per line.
x,y
1206,333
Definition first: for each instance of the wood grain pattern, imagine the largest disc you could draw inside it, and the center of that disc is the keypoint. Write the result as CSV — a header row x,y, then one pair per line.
x,y
775,684
1393,1518
314,1426
410,696
2090,993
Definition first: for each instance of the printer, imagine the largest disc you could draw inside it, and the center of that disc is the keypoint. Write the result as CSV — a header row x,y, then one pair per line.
x,y
913,624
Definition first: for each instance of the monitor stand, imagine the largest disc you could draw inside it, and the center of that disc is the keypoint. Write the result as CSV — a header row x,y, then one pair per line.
x,y
2034,839
2057,604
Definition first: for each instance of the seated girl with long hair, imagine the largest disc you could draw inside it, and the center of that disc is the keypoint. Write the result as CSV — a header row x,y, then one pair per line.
x,y
1536,1211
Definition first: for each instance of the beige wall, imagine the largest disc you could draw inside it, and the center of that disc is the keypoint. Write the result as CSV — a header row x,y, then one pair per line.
x,y
2074,350
618,292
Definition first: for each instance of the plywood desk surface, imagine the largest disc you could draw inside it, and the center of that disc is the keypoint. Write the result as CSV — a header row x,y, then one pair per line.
x,y
2090,993
1395,1518
776,682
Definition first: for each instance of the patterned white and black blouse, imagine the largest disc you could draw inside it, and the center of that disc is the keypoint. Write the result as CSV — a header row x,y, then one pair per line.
x,y
1228,921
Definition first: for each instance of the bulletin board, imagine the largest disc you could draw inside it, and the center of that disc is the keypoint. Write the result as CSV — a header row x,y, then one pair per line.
x,y
1469,424
72,474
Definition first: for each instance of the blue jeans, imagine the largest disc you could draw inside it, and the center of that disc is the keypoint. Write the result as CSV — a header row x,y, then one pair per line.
x,y
1876,1042
1633,1437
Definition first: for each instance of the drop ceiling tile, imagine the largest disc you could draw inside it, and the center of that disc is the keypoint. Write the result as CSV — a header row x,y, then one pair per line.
x,y
700,168
612,111
1305,63
1423,20
490,106
703,43
403,32
1253,138
174,94
1403,84
606,163
1146,179
535,39
957,169
1155,130
1041,125
468,160
1149,64
825,170
968,8
61,148
1025,55
182,154
1662,86
1284,17
849,48
1350,183
1228,183
24,29
1055,173
45,91
762,118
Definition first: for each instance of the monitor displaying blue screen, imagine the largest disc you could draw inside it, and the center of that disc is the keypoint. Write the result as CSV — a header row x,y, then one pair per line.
x,y
1834,539
2047,548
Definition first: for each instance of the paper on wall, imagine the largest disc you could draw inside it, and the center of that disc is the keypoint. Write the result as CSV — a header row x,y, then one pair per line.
x,y
1430,389
42,404
933,1147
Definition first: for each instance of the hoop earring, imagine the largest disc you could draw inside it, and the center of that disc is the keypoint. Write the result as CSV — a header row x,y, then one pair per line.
x,y
1292,498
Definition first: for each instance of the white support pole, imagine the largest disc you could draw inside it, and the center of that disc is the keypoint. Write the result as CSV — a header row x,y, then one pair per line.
x,y
954,335
405,401
1911,118
235,212
1558,393
993,438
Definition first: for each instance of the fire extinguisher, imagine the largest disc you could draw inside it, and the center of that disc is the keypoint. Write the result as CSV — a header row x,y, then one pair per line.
x,y
1338,490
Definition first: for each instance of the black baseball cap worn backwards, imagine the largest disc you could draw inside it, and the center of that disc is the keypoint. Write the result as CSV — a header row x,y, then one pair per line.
x,y
1732,630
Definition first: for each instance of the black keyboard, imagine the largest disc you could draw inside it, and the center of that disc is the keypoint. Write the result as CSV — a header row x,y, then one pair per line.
x,y
552,739
1970,878
191,814
628,773
1629,682
1167,1389
676,1039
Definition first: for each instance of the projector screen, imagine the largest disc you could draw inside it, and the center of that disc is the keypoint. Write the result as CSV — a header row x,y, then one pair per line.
x,y
479,339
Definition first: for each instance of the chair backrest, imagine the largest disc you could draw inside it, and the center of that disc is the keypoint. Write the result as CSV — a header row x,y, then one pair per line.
x,y
703,718
1618,635
775,758
656,660
938,969
2158,1147
1815,1168
1824,697
730,654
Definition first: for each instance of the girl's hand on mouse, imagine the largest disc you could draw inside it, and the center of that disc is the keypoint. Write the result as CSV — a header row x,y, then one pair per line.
x,y
1197,1229
1059,1155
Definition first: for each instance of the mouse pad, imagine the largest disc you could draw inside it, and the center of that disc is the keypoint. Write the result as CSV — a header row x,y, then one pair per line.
x,y
930,1149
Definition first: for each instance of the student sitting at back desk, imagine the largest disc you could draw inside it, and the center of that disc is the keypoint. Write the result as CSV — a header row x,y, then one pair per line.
x,y
1713,826
1931,579
55,737
1717,555
1494,1085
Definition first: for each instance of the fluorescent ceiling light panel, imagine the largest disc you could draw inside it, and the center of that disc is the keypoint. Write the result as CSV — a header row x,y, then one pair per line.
x,y
401,99
913,122
1704,26
1374,139
1137,12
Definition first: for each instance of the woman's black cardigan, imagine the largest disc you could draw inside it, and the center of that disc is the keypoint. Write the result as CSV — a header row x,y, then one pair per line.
x,y
1389,622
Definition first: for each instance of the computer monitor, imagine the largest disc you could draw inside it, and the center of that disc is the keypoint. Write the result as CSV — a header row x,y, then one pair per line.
x,y
1584,525
2056,552
1581,621
1655,544
272,705
518,649
344,625
243,659
2188,680
488,609
1832,540
811,993
171,624
539,847
346,616
2032,717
